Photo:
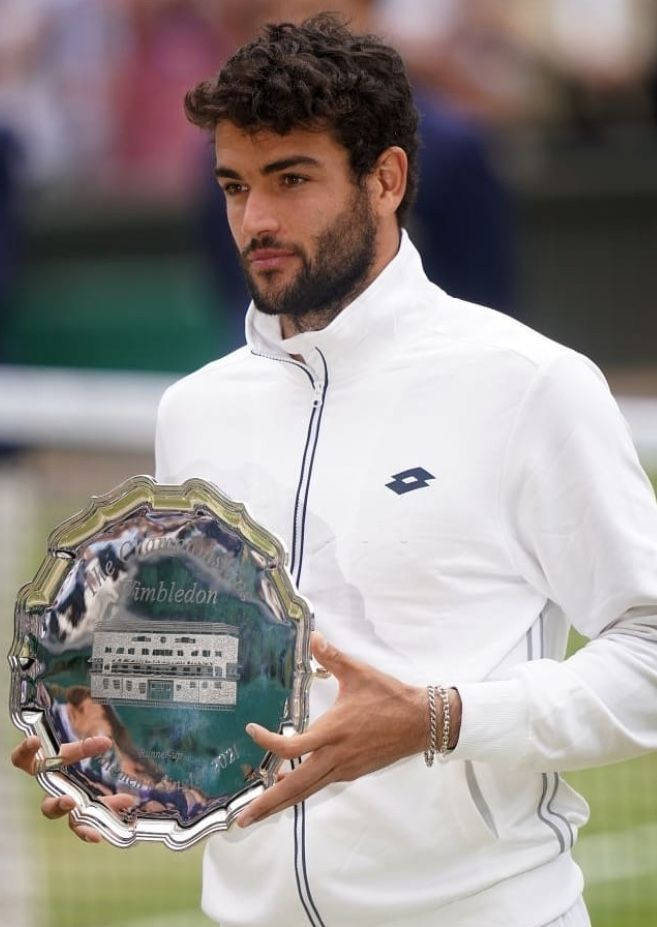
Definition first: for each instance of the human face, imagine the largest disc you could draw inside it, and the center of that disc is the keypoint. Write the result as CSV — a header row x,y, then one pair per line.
x,y
88,719
303,227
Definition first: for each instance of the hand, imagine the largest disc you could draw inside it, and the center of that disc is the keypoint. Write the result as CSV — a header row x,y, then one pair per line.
x,y
375,721
24,757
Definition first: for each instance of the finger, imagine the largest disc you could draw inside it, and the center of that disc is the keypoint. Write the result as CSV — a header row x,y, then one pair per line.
x,y
57,807
328,656
53,808
116,803
84,832
258,810
87,834
122,801
289,747
83,749
23,756
304,780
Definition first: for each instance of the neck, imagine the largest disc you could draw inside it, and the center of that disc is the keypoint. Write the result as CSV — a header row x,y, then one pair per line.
x,y
388,246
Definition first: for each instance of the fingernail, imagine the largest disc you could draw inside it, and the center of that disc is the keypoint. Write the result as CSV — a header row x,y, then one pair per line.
x,y
245,820
250,729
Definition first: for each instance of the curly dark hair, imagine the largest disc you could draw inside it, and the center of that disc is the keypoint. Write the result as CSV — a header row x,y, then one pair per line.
x,y
318,74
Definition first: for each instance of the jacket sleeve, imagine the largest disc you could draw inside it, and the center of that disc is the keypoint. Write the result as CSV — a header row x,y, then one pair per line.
x,y
580,521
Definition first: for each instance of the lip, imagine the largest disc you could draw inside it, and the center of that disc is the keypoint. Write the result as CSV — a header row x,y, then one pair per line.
x,y
269,258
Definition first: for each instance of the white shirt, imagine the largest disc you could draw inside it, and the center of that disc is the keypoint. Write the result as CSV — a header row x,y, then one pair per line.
x,y
533,513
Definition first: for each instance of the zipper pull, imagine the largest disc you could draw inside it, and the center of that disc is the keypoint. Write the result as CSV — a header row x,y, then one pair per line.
x,y
318,387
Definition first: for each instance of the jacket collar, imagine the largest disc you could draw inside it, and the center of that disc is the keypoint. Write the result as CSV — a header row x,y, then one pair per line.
x,y
362,328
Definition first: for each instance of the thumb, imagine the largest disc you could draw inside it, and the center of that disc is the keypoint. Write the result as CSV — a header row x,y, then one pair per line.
x,y
328,656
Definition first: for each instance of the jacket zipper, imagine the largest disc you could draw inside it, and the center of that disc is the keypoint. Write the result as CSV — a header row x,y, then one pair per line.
x,y
303,486
298,537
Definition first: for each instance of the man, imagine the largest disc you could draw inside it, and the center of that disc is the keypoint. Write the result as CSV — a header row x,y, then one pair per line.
x,y
454,489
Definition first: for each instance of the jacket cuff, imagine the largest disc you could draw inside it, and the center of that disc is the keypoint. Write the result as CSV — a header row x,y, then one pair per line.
x,y
494,722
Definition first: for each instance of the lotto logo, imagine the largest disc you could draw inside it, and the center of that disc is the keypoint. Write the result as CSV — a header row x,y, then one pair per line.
x,y
417,478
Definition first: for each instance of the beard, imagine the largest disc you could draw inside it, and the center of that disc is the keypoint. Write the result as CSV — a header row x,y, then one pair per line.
x,y
329,281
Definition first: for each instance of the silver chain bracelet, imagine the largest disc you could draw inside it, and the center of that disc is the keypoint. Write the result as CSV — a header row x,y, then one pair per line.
x,y
447,723
430,752
433,748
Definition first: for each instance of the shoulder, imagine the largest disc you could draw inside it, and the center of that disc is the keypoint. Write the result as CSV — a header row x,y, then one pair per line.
x,y
207,383
494,352
497,338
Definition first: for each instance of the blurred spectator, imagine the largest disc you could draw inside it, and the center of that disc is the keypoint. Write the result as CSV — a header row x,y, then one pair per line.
x,y
27,104
463,50
85,40
92,88
602,43
599,53
519,60
462,221
56,58
172,45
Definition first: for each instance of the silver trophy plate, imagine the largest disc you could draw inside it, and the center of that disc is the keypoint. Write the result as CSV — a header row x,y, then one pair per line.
x,y
165,618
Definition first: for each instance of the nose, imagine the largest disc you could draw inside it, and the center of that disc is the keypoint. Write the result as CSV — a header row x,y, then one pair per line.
x,y
259,217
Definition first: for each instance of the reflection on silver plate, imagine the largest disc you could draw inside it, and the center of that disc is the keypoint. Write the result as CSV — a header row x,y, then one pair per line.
x,y
164,617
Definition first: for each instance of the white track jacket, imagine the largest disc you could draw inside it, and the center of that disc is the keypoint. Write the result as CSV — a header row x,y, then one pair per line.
x,y
455,490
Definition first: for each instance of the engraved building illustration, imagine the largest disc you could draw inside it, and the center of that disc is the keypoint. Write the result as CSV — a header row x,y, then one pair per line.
x,y
161,663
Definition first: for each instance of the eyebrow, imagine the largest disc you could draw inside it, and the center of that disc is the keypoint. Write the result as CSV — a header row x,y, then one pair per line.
x,y
273,168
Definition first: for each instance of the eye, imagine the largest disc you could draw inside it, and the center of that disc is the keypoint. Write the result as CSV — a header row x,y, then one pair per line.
x,y
293,180
232,189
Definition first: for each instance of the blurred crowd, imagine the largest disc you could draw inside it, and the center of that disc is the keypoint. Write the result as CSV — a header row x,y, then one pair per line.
x,y
91,90
91,98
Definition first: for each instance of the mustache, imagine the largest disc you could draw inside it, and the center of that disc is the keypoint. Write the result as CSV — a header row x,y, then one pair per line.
x,y
268,241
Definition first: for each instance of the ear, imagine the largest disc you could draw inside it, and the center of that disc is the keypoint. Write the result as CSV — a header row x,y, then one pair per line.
x,y
388,181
